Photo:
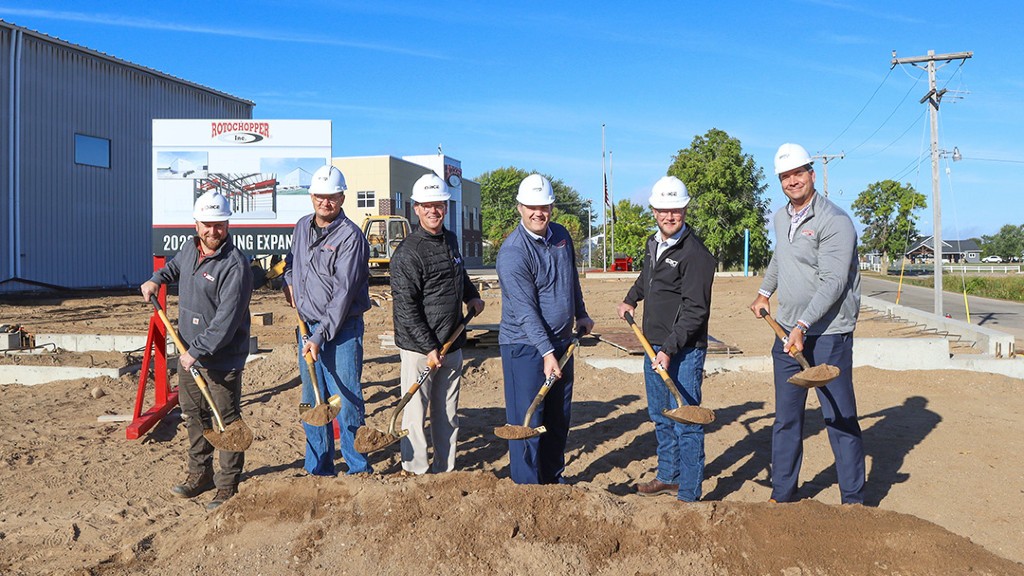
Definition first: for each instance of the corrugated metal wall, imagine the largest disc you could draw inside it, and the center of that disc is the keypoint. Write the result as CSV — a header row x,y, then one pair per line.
x,y
83,226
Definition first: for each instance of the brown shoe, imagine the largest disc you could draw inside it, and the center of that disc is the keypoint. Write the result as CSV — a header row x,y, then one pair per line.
x,y
195,484
222,496
656,487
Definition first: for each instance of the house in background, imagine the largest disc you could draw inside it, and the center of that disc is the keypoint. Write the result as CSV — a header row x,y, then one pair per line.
x,y
953,251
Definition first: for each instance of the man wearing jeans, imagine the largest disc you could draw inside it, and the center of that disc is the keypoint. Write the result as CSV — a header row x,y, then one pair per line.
x,y
676,283
815,274
327,278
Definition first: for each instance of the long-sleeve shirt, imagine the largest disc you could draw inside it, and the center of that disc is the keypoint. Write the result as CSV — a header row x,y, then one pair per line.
x,y
816,273
329,274
213,303
540,288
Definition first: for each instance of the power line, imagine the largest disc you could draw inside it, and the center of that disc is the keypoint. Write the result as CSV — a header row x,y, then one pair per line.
x,y
887,118
860,112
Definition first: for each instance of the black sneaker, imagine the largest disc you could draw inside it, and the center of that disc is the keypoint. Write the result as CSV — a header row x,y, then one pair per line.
x,y
195,484
222,496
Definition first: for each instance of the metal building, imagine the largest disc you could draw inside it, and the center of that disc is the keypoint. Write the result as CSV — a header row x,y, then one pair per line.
x,y
76,160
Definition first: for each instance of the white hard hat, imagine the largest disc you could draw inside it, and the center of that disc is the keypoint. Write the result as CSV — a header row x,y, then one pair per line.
x,y
430,188
535,190
669,192
327,180
211,207
791,156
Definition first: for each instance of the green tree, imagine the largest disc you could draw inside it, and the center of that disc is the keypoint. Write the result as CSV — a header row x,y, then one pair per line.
x,y
1008,242
498,190
886,209
633,224
728,192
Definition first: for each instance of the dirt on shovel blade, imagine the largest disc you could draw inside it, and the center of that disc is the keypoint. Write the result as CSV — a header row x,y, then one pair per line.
x,y
370,439
510,432
691,415
815,376
236,437
318,416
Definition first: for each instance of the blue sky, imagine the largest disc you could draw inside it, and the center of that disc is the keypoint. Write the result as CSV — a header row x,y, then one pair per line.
x,y
529,84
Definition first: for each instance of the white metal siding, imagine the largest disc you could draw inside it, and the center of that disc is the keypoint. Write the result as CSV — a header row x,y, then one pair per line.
x,y
84,226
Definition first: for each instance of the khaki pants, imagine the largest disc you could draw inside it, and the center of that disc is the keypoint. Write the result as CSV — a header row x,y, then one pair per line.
x,y
439,395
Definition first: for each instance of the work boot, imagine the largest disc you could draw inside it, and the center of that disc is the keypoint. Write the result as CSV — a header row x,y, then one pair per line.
x,y
222,496
656,487
195,484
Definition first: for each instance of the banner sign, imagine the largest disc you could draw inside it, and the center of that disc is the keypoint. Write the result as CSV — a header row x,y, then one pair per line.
x,y
263,168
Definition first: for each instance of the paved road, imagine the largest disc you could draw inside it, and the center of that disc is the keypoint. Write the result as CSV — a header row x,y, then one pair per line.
x,y
996,314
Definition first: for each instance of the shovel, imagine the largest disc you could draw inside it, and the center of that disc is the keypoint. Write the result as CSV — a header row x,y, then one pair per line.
x,y
237,436
810,376
320,414
370,439
684,414
513,432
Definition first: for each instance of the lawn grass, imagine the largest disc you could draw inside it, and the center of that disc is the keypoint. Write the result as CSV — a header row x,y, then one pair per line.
x,y
1008,287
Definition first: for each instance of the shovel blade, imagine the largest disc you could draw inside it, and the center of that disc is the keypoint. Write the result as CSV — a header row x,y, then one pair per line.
x,y
236,437
690,415
370,439
513,432
815,376
318,415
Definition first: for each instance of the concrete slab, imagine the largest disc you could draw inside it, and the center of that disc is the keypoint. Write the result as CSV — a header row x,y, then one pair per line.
x,y
884,353
989,341
94,342
33,375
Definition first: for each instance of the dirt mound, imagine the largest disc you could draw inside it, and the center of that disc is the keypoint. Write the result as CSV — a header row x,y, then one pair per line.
x,y
474,523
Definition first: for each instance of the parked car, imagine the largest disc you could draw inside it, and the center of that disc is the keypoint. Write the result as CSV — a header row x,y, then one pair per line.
x,y
993,259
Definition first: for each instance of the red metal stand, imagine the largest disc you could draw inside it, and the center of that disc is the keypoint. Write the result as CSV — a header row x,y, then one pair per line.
x,y
163,398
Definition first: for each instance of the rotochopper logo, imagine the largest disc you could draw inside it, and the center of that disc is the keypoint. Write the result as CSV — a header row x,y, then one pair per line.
x,y
240,132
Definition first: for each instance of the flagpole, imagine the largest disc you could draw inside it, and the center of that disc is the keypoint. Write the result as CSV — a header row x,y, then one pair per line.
x,y
604,210
611,197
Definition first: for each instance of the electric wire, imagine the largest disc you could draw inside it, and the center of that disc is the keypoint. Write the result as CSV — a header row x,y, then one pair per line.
x,y
887,118
860,112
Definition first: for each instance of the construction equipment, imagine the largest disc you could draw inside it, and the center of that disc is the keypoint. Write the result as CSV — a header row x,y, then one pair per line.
x,y
369,439
234,437
810,376
384,233
513,432
684,414
321,413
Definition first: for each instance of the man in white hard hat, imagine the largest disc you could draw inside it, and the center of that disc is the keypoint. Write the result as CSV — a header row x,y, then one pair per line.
x,y
214,286
815,275
430,284
541,300
327,278
675,285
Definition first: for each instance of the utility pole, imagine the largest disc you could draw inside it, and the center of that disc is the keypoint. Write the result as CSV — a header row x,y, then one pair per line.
x,y
824,162
604,178
933,98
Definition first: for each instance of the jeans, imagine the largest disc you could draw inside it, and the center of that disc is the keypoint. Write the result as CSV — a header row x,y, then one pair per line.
x,y
680,446
339,370
541,459
839,408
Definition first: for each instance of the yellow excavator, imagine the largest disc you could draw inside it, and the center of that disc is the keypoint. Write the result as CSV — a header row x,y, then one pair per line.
x,y
384,233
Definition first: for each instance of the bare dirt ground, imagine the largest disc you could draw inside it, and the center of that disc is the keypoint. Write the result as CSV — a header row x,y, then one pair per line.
x,y
944,472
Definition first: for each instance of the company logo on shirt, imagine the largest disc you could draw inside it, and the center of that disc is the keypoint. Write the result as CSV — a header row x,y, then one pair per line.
x,y
208,277
807,233
561,243
330,248
671,262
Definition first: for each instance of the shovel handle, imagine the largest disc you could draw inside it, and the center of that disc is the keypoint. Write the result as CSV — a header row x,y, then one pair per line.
x,y
310,363
200,381
650,354
426,371
550,380
781,333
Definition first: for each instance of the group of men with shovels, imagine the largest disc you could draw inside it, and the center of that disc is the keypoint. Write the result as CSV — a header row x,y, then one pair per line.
x,y
813,272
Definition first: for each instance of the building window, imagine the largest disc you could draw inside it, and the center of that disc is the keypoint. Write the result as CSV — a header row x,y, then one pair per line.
x,y
398,198
92,151
366,199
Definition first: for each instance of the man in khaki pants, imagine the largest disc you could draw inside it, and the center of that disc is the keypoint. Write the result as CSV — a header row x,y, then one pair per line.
x,y
429,284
